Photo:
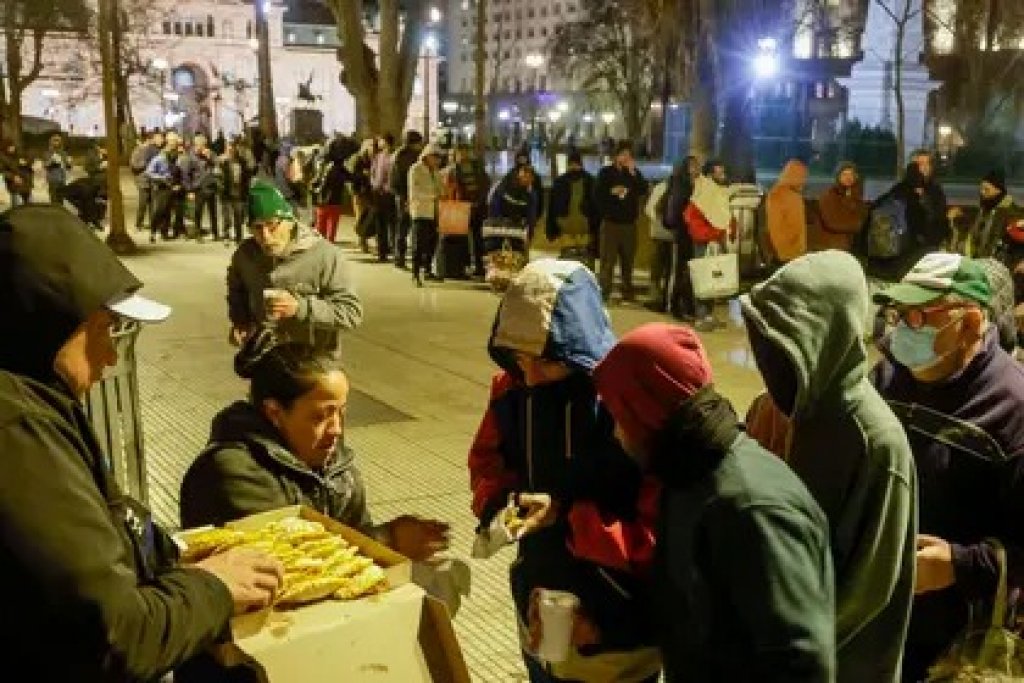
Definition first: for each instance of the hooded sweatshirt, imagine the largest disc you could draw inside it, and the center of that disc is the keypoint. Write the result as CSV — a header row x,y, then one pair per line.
x,y
556,439
246,468
743,573
847,446
314,271
88,599
786,213
966,496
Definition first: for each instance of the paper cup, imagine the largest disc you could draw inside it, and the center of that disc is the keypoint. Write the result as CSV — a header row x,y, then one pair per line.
x,y
268,299
557,610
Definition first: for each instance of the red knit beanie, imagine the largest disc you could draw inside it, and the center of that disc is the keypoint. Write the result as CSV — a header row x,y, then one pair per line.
x,y
648,374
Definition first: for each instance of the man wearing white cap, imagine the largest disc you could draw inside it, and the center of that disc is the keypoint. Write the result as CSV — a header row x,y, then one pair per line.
x,y
425,187
94,589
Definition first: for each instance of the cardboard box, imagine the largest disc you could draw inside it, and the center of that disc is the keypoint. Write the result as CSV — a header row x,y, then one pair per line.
x,y
399,636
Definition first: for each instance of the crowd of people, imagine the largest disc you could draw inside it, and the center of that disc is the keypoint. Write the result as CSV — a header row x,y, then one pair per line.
x,y
846,529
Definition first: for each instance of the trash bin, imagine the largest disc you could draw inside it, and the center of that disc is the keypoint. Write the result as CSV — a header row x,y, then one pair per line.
x,y
113,409
745,205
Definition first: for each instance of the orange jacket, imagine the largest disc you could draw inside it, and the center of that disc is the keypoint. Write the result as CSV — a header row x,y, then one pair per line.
x,y
786,213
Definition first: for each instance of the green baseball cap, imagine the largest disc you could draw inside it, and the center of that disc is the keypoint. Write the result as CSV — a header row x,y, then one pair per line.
x,y
267,203
935,276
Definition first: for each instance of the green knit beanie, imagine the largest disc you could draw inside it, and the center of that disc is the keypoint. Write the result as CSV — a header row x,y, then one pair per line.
x,y
266,203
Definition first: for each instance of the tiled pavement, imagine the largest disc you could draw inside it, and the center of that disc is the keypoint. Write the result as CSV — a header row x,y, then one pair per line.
x,y
421,374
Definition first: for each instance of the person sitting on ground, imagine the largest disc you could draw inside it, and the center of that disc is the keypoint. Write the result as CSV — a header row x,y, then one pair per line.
x,y
807,327
786,212
287,275
546,444
95,589
959,396
842,212
996,212
743,575
286,446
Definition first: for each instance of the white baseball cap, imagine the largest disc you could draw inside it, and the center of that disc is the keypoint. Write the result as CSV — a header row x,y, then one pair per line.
x,y
139,308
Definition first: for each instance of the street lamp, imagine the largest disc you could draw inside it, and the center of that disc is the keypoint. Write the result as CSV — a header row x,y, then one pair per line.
x,y
766,61
563,106
945,130
435,15
504,115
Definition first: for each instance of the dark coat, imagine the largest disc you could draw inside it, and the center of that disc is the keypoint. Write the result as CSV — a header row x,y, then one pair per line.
x,y
247,469
561,195
95,595
613,208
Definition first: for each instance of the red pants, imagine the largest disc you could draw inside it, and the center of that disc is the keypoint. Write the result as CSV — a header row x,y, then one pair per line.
x,y
326,221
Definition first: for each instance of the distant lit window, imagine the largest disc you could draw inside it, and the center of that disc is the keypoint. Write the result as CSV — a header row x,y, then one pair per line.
x,y
291,36
465,5
319,37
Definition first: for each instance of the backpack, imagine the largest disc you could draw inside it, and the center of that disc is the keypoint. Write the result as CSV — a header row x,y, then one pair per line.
x,y
888,230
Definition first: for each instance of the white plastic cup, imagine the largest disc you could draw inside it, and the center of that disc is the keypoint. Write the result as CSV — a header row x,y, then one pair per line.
x,y
557,612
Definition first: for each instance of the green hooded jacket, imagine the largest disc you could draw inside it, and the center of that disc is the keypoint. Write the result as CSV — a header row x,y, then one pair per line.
x,y
849,449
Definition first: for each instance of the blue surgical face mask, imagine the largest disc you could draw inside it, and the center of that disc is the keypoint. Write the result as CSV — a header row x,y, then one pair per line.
x,y
915,349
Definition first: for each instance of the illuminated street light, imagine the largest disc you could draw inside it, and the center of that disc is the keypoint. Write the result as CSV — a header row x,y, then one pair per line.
x,y
430,42
554,115
608,117
435,15
503,115
588,118
945,130
534,61
563,107
450,107
766,62
267,6
160,64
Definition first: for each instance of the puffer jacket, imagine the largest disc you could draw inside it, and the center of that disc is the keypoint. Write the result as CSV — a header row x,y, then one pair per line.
x,y
849,449
246,469
315,272
786,213
425,189
557,439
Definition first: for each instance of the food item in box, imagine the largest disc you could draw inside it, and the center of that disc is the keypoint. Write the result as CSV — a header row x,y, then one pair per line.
x,y
513,522
318,564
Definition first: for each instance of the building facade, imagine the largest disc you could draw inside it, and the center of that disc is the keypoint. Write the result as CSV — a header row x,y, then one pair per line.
x,y
196,70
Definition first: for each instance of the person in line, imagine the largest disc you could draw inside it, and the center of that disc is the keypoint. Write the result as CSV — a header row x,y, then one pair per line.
x,y
139,162
285,445
17,172
97,593
514,200
331,189
285,179
996,212
618,195
359,165
546,443
521,161
95,165
58,166
806,326
288,277
842,212
933,202
407,155
164,174
742,569
236,174
572,217
201,180
384,201
425,188
959,396
681,303
786,212
467,180
709,220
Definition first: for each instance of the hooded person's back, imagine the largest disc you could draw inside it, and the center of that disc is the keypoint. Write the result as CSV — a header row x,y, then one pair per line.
x,y
806,329
786,212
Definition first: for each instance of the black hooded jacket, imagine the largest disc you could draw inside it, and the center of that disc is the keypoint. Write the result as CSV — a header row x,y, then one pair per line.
x,y
85,600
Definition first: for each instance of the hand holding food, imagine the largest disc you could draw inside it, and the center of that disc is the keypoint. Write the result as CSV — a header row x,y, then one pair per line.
x,y
541,512
252,577
416,538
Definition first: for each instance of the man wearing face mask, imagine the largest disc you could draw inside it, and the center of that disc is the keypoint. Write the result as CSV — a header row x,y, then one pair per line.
x,y
806,328
286,275
959,395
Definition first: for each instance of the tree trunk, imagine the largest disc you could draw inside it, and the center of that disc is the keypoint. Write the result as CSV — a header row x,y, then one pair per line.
x,y
118,239
12,112
267,112
897,85
704,100
480,94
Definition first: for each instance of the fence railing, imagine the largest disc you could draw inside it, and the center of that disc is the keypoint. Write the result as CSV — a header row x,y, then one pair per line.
x,y
113,409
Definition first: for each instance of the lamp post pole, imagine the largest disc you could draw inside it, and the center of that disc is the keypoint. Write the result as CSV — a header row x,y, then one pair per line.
x,y
119,240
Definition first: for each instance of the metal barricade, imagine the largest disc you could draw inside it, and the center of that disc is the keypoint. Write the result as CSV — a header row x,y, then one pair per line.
x,y
745,206
113,409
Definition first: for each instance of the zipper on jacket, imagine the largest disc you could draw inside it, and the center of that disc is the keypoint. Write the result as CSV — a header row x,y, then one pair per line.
x,y
568,431
614,584
529,440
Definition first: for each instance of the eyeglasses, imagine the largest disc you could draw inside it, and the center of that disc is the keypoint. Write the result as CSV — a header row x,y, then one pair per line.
x,y
915,318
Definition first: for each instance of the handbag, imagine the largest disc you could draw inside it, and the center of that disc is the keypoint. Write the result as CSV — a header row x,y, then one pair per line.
x,y
987,651
715,275
453,217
